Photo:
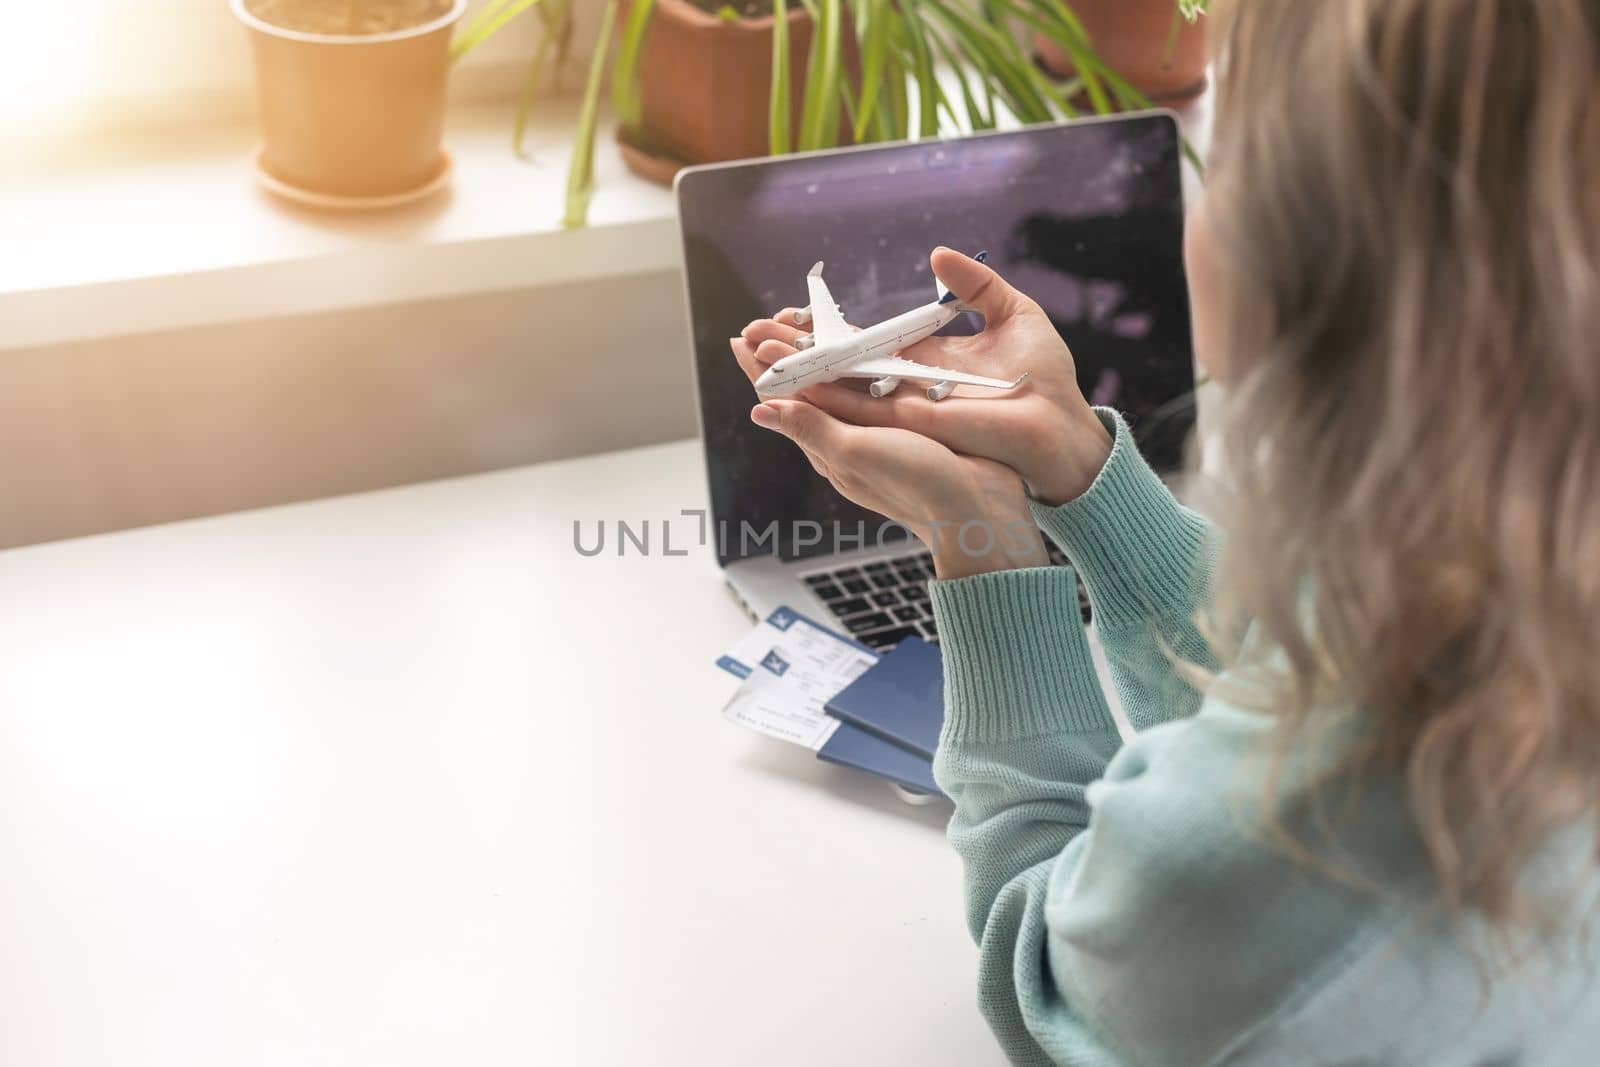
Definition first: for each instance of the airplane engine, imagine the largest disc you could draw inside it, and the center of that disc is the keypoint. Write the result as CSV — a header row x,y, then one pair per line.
x,y
883,386
804,341
803,316
941,390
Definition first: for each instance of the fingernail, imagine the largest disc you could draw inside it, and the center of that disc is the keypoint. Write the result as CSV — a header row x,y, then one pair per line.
x,y
765,416
733,342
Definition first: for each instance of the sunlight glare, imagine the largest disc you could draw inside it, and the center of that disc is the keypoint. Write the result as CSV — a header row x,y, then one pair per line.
x,y
48,60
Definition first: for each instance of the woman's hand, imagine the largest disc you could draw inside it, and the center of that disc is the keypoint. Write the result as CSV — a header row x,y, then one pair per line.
x,y
1046,432
970,512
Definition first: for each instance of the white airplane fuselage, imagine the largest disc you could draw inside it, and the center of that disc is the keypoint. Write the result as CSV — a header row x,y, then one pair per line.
x,y
827,362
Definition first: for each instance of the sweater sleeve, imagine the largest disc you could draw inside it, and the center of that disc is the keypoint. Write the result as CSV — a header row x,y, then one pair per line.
x,y
1026,729
1110,914
1146,561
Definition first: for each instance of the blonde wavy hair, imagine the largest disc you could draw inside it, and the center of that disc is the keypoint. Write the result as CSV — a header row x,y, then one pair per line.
x,y
1407,197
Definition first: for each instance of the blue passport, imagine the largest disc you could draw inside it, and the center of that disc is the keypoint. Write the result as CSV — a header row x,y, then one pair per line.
x,y
899,699
851,746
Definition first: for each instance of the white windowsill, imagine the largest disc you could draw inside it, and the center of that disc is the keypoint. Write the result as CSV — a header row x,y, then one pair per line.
x,y
135,239
143,237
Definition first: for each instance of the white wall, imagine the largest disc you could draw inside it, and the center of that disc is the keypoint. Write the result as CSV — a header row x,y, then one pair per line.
x,y
69,68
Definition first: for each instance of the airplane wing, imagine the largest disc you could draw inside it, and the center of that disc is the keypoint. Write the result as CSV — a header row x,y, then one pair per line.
x,y
895,367
828,324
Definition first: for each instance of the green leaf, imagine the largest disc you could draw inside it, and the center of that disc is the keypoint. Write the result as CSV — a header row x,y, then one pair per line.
x,y
1081,50
987,84
1126,93
555,18
874,44
848,94
1069,19
780,106
1074,44
882,121
626,98
899,113
530,86
928,90
813,63
580,176
997,52
488,23
1169,49
976,119
819,121
472,29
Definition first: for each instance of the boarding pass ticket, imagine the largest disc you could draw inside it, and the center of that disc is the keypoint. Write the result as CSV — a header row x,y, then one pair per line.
x,y
790,668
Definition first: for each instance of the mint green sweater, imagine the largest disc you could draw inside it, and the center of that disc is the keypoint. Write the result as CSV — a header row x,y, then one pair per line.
x,y
1127,905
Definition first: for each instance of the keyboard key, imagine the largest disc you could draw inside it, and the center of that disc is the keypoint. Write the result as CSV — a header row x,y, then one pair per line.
x,y
930,630
885,581
853,606
815,580
862,623
873,568
883,640
907,614
885,600
847,572
828,592
914,592
857,586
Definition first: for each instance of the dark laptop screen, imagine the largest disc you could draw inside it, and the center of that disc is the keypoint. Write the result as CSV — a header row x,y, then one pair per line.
x,y
1085,218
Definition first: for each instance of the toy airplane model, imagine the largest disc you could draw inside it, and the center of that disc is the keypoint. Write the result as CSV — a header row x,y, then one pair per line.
x,y
833,350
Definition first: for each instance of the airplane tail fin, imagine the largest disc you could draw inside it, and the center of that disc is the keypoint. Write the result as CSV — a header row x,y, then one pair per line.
x,y
948,298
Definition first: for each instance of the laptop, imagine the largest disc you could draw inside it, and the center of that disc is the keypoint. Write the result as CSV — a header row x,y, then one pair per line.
x,y
1085,217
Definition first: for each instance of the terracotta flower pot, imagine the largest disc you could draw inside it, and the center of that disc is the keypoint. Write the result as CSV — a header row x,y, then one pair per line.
x,y
352,116
1132,36
706,86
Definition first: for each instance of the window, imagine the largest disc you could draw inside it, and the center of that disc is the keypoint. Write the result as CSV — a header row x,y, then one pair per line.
x,y
106,63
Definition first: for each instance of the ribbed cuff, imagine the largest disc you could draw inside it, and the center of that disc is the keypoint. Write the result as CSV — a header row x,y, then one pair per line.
x,y
1135,545
1016,662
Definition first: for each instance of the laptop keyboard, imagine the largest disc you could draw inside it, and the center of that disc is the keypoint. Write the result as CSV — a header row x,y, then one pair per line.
x,y
881,604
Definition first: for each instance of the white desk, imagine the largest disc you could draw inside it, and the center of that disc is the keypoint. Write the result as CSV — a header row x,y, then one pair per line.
x,y
402,779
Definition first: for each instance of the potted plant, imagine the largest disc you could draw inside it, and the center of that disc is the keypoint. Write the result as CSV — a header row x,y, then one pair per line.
x,y
351,96
1159,46
708,69
825,71
691,80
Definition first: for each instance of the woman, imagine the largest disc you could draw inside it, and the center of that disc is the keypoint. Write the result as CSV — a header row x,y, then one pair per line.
x,y
1358,821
